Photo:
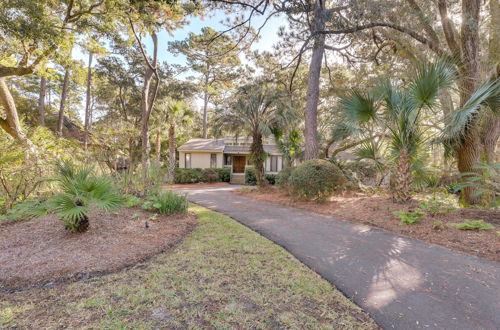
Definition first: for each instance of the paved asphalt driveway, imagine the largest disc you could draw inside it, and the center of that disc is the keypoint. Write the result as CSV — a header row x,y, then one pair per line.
x,y
402,282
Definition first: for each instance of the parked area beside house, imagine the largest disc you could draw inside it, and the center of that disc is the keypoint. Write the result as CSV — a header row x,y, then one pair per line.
x,y
230,152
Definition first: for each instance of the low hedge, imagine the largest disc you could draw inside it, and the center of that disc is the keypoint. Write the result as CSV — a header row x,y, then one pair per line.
x,y
224,174
316,179
188,175
250,177
209,175
197,175
283,176
271,178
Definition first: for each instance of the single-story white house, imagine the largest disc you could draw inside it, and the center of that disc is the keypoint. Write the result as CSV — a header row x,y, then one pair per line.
x,y
230,152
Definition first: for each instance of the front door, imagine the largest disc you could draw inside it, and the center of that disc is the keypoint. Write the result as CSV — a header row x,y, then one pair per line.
x,y
239,164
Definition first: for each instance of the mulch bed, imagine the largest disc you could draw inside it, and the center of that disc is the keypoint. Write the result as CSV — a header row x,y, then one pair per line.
x,y
376,210
40,252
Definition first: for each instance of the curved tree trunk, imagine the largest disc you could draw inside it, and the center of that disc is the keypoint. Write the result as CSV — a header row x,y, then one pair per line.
x,y
64,94
171,155
11,124
400,189
147,104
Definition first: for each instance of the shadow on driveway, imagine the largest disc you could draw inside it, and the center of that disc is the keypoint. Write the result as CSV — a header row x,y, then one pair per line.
x,y
402,282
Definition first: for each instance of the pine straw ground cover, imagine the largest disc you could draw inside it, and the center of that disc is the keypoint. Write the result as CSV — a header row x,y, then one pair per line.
x,y
377,210
222,276
41,252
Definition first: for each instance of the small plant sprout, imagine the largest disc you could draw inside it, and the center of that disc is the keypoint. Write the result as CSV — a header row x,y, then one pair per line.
x,y
409,217
472,225
437,225
438,203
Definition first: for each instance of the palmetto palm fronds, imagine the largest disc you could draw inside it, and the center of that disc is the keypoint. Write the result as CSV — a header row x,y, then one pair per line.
x,y
80,190
486,96
257,111
398,111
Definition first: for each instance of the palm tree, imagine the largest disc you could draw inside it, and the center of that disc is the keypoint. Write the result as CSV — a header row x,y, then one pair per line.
x,y
484,103
399,112
175,112
256,111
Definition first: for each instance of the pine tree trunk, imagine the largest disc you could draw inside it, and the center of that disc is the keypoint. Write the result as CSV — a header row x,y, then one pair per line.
x,y
258,156
88,113
468,154
313,84
147,104
145,121
41,101
171,155
402,179
11,123
64,94
205,106
158,146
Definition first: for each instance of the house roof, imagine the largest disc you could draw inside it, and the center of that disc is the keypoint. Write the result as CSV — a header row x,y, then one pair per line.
x,y
203,145
219,145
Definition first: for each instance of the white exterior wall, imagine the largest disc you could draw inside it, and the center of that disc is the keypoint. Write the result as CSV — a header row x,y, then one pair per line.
x,y
199,159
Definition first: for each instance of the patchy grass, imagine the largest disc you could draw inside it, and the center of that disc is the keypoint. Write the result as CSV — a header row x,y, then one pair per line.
x,y
224,276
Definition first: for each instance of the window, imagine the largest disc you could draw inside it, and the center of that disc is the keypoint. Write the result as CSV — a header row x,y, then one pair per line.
x,y
187,160
274,163
213,160
228,160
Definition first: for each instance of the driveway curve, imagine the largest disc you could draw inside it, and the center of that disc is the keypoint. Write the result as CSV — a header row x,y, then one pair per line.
x,y
402,282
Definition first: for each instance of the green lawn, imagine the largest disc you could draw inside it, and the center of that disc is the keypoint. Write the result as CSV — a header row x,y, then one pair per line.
x,y
224,275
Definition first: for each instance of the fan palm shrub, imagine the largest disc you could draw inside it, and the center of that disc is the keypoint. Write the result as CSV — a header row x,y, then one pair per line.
x,y
258,109
482,106
81,189
399,111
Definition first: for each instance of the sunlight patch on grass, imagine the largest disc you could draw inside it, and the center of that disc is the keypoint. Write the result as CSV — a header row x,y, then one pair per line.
x,y
223,275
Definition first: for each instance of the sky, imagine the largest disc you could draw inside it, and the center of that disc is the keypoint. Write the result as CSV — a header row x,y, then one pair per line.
x,y
268,37
269,34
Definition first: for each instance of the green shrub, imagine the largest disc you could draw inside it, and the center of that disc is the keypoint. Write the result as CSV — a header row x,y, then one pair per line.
x,y
131,201
30,208
271,178
472,225
409,217
224,174
188,175
438,203
81,189
283,176
362,171
166,203
209,175
316,179
485,181
250,177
